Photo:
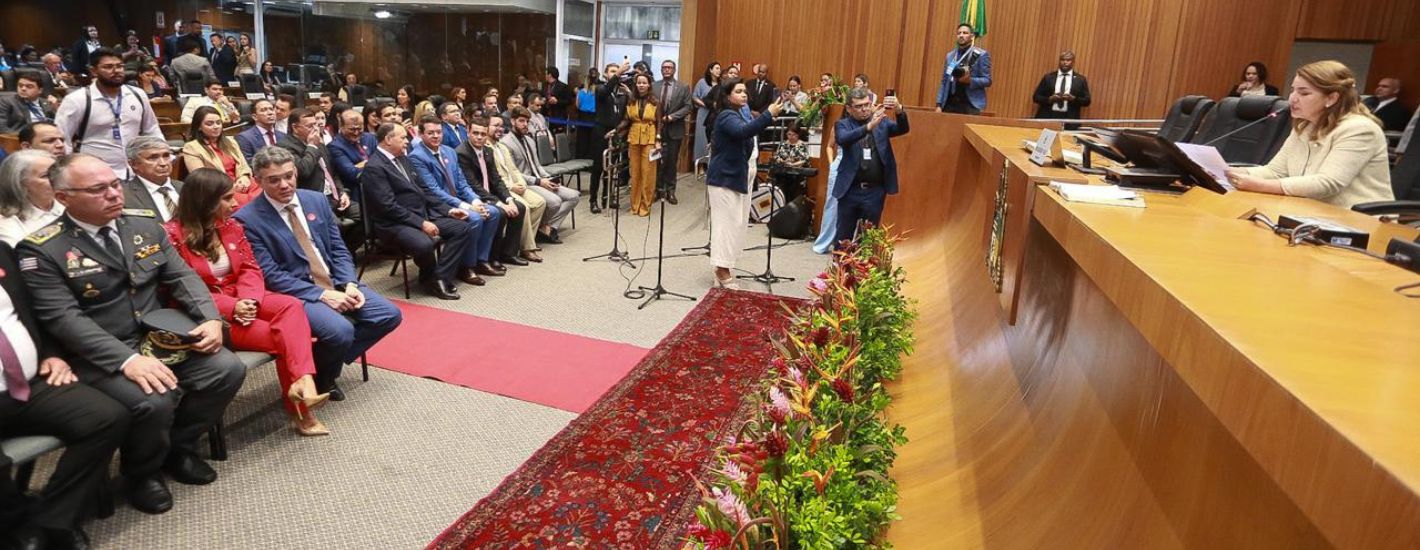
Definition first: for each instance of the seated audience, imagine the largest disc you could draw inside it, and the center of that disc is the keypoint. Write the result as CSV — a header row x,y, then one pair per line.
x,y
794,151
438,169
405,214
1254,82
152,186
150,82
87,248
284,104
350,150
263,131
514,101
560,199
26,105
532,203
215,247
270,79
405,100
476,160
44,136
454,131
797,99
346,91
215,96
538,122
56,76
372,120
208,148
1336,152
1385,104
41,395
314,172
26,198
489,107
346,317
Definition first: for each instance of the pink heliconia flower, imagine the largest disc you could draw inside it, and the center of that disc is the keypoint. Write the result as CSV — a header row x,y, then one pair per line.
x,y
731,506
778,405
818,286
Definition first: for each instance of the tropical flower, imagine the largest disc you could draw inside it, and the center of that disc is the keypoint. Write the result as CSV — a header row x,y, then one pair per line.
x,y
718,539
776,443
778,405
843,389
731,506
818,286
732,470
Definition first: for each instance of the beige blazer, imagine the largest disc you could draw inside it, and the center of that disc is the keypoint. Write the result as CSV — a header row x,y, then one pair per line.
x,y
1345,167
196,155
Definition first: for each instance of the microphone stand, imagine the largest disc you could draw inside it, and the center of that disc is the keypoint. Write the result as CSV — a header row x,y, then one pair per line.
x,y
658,291
609,177
768,277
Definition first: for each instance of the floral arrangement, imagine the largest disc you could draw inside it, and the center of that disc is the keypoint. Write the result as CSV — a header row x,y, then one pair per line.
x,y
819,99
809,469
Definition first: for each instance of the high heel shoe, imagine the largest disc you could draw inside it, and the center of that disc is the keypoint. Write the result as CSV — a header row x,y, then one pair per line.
x,y
313,430
297,396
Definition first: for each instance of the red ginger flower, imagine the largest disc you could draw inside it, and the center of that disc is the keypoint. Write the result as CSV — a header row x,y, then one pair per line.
x,y
776,443
843,389
718,539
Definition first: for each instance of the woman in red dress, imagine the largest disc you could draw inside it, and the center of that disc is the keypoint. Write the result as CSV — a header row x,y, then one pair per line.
x,y
216,247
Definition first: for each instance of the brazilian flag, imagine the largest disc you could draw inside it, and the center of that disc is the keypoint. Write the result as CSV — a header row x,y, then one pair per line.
x,y
973,12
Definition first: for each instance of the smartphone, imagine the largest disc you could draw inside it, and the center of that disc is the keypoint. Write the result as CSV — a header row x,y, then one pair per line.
x,y
892,91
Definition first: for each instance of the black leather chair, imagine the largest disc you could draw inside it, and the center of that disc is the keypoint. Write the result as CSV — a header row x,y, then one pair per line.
x,y
1259,142
251,84
192,83
1184,118
1405,183
293,91
357,95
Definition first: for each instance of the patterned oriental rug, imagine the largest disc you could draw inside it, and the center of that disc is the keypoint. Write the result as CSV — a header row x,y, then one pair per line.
x,y
622,475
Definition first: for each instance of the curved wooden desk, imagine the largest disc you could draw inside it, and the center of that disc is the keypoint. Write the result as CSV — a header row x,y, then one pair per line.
x,y
1174,376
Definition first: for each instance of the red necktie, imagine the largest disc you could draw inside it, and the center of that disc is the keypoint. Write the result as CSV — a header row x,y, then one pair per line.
x,y
15,382
270,137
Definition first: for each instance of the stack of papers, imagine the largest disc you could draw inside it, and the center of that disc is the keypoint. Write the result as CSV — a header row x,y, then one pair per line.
x,y
1098,194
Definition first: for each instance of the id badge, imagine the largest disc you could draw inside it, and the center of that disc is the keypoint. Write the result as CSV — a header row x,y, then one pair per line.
x,y
867,153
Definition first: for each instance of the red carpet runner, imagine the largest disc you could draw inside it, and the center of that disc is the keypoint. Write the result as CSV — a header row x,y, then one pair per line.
x,y
553,368
622,475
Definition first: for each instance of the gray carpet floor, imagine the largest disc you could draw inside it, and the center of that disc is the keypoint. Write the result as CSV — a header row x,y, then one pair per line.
x,y
408,456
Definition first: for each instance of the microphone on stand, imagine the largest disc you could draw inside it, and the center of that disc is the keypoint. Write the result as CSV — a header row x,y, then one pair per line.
x,y
1269,116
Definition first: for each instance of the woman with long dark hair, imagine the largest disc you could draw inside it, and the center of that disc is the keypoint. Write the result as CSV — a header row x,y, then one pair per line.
x,y
204,234
727,178
208,148
269,80
1254,82
405,99
642,127
246,54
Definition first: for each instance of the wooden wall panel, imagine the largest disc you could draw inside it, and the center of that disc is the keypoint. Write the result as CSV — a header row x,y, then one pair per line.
x,y
1367,20
1138,54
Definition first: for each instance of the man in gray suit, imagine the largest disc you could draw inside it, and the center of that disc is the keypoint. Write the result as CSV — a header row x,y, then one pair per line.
x,y
522,147
94,274
192,62
26,105
675,103
152,186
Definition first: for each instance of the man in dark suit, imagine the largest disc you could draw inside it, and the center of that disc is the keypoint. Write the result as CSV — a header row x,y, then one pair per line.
x,y
172,44
1385,104
27,105
223,59
94,274
263,132
868,171
56,77
438,167
559,95
675,103
761,90
152,186
350,149
611,109
39,395
194,31
407,215
454,132
966,74
314,173
1062,92
476,160
297,243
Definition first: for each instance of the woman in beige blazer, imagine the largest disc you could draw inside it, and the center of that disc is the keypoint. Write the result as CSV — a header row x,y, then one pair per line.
x,y
208,148
1337,150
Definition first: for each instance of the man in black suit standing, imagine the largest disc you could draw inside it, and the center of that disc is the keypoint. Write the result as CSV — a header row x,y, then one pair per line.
x,y
409,217
40,395
1062,92
172,44
762,91
559,95
223,59
1385,104
27,105
675,104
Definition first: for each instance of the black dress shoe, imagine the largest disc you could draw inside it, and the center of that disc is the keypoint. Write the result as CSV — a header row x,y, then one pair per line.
x,y
671,198
497,265
336,394
149,495
187,469
66,539
28,537
487,270
514,260
596,209
548,239
438,290
468,276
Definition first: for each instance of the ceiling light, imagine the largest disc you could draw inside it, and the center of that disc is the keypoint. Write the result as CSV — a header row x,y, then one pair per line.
x,y
383,14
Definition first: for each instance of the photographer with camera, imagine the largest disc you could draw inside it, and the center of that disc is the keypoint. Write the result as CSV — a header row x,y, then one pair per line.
x,y
965,76
611,99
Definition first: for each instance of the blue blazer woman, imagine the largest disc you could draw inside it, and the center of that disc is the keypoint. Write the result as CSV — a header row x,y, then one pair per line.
x,y
732,147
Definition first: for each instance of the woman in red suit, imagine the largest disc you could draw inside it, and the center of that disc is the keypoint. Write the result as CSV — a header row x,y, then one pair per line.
x,y
216,247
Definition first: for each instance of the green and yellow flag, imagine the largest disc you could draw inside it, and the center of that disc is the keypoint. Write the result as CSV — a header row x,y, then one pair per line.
x,y
973,12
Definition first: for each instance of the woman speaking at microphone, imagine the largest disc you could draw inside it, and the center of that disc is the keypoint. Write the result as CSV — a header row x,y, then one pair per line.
x,y
1337,150
732,157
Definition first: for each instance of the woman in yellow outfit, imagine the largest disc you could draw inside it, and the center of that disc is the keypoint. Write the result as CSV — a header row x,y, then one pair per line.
x,y
643,134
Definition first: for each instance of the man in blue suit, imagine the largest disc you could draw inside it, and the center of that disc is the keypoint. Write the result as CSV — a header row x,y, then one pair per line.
x,y
263,133
867,172
297,242
454,131
438,167
965,76
350,149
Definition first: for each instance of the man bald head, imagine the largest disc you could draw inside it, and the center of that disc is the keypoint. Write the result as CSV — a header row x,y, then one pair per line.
x,y
1387,88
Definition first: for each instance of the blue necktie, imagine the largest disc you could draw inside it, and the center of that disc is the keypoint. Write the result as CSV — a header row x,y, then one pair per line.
x,y
38,115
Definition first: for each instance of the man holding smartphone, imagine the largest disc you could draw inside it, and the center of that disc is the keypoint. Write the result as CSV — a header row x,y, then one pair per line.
x,y
867,173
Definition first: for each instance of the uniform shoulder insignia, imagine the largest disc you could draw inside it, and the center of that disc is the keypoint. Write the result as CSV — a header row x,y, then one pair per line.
x,y
44,233
144,212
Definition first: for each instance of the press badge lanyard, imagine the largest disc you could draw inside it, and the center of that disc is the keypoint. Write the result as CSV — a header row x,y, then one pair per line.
x,y
117,108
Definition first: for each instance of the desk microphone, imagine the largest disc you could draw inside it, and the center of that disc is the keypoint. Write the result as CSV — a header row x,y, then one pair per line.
x,y
1269,116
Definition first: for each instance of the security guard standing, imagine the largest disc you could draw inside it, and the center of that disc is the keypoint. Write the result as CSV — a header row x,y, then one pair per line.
x,y
94,273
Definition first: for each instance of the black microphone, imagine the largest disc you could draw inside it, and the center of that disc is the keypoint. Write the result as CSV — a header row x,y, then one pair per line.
x,y
1269,116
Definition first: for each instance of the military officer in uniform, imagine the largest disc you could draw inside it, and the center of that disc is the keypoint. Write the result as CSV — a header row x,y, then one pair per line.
x,y
93,274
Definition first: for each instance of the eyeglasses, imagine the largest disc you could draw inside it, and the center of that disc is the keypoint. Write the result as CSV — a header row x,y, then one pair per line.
x,y
96,190
109,67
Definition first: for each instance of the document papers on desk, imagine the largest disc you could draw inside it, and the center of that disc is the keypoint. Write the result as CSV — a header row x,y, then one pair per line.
x,y
1207,157
1110,195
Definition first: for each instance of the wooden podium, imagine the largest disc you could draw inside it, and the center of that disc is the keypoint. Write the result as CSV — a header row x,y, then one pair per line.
x,y
1167,377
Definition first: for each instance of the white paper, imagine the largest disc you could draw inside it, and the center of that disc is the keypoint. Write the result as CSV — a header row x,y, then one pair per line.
x,y
1208,157
1078,191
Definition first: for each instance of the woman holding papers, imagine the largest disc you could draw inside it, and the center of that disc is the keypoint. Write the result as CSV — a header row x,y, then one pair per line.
x,y
1337,150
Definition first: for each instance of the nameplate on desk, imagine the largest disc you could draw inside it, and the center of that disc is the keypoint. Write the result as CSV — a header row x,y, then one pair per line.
x,y
233,84
254,97
313,95
1047,148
